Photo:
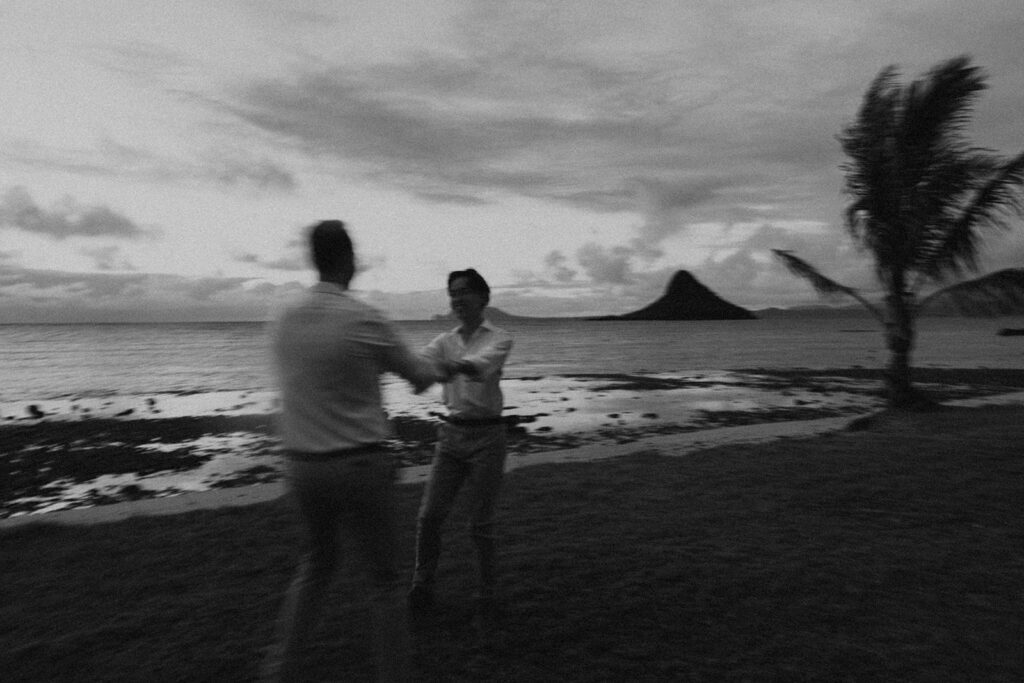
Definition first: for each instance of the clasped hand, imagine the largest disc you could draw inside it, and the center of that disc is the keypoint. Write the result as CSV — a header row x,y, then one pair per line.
x,y
455,367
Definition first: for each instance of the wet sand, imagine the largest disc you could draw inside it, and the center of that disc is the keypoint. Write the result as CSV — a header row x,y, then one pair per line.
x,y
670,444
158,457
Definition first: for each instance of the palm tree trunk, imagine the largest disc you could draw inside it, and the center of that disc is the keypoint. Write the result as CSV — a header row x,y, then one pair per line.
x,y
899,339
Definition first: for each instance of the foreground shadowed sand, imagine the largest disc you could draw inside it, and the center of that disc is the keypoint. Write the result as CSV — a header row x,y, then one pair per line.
x,y
888,552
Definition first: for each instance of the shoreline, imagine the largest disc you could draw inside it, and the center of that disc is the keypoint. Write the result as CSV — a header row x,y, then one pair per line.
x,y
667,444
59,465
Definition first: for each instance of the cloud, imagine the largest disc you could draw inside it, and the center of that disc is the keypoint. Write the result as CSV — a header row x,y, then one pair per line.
x,y
225,166
609,295
553,274
744,270
108,258
49,285
209,288
618,264
533,111
677,115
666,201
457,198
417,305
33,295
738,265
465,129
554,262
576,301
606,265
531,299
289,262
260,173
67,219
142,61
611,109
296,258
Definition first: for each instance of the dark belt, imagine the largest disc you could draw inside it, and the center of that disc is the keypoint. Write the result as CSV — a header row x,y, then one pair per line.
x,y
473,421
339,454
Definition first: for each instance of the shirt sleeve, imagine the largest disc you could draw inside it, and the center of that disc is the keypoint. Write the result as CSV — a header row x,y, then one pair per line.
x,y
395,356
434,351
434,354
490,358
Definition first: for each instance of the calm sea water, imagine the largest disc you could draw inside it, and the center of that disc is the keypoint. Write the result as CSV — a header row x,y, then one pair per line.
x,y
48,361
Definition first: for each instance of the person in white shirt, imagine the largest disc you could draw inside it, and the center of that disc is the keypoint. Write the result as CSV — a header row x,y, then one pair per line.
x,y
329,351
471,439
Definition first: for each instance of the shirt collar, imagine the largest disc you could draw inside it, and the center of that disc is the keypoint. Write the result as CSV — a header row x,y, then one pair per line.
x,y
484,325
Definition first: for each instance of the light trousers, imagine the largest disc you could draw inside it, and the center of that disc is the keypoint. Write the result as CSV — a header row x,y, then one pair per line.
x,y
470,456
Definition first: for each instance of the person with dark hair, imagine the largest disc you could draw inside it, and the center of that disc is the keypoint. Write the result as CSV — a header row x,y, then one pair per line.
x,y
329,351
470,440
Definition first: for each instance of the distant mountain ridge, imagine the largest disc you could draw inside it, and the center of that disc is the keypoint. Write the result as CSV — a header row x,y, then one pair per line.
x,y
685,298
491,313
815,311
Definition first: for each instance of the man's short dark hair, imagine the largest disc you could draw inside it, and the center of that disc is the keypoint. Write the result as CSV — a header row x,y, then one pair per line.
x,y
331,248
475,280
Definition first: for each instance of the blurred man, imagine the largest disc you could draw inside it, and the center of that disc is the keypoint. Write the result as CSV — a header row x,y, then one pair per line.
x,y
329,351
470,442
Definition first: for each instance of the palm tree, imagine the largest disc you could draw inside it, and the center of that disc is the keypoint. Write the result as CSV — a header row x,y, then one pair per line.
x,y
921,199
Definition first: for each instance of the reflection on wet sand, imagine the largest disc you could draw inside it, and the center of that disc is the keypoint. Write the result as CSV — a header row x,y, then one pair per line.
x,y
87,451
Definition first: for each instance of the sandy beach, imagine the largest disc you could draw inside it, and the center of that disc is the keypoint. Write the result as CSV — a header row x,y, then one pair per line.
x,y
671,444
77,452
105,459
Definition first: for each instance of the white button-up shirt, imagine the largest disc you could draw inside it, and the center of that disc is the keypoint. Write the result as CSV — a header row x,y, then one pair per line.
x,y
329,351
478,395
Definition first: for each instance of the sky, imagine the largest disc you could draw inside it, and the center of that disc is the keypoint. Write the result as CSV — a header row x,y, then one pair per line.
x,y
160,161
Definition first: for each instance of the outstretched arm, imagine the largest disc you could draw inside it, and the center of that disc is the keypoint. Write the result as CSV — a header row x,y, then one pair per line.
x,y
396,356
488,361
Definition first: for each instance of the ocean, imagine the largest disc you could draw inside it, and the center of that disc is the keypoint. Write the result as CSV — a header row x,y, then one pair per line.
x,y
40,362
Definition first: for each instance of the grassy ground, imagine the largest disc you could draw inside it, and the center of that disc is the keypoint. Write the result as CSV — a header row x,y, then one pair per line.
x,y
893,552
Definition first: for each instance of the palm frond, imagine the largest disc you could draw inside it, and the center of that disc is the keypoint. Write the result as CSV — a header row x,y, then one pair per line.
x,y
937,108
823,285
951,184
869,142
999,198
998,293
934,173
